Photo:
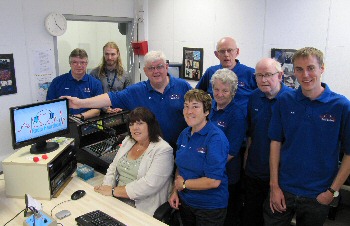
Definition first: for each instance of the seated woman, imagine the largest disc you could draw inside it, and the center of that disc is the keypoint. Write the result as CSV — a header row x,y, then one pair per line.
x,y
140,173
200,180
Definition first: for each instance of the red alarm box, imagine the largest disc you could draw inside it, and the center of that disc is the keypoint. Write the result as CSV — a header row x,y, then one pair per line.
x,y
140,48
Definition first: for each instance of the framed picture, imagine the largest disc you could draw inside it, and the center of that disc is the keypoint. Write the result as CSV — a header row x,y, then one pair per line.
x,y
7,75
192,63
284,56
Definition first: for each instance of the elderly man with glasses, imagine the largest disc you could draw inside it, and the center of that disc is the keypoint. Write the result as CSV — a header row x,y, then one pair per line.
x,y
161,93
76,83
257,174
227,52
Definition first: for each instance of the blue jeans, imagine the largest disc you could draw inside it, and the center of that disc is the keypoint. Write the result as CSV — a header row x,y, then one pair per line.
x,y
308,212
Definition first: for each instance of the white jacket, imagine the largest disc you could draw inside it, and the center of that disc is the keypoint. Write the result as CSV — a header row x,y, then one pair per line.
x,y
154,178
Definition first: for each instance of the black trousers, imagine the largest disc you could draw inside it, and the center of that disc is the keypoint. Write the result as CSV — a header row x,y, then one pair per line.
x,y
256,191
201,217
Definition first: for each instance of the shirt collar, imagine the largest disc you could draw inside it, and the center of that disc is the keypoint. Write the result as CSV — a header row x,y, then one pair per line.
x,y
171,84
215,105
85,78
324,97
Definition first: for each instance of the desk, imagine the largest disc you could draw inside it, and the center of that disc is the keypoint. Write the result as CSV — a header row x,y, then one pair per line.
x,y
9,207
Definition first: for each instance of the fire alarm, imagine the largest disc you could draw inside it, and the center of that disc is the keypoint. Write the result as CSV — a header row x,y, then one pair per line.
x,y
140,48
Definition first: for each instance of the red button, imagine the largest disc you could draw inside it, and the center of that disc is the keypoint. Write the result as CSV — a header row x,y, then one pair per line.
x,y
36,159
45,157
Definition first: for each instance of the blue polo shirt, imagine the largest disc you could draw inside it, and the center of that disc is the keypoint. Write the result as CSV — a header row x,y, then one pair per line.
x,y
231,120
166,106
246,82
312,132
66,85
203,154
259,115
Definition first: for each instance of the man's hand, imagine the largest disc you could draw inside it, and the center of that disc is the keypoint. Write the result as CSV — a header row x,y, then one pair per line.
x,y
325,198
110,110
74,102
277,201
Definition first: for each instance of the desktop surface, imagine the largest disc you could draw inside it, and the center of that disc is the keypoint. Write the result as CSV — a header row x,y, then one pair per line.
x,y
90,202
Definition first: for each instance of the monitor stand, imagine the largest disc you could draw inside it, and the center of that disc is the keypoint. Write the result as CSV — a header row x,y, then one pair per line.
x,y
43,147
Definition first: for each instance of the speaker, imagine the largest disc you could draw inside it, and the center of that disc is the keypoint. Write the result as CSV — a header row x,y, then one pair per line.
x,y
122,28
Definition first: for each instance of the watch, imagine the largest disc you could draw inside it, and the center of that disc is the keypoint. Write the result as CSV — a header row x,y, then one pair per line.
x,y
56,24
335,193
184,185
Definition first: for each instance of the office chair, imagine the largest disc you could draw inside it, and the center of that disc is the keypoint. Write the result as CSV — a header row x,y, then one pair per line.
x,y
167,215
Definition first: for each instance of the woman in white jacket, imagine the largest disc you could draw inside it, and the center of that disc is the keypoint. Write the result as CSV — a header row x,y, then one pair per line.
x,y
141,172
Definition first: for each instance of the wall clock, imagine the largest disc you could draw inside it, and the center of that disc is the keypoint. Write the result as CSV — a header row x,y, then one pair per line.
x,y
56,24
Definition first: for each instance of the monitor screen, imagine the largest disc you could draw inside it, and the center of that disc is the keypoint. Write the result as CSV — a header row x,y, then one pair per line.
x,y
175,69
33,124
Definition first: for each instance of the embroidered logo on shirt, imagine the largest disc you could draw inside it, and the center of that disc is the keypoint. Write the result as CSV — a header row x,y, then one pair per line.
x,y
87,90
256,109
202,150
174,96
221,123
328,118
241,84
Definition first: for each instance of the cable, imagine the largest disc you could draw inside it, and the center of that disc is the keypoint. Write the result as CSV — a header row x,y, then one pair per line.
x,y
14,217
60,224
59,204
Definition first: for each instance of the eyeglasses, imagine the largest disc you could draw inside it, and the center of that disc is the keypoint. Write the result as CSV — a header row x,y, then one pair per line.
x,y
229,51
266,75
158,67
76,63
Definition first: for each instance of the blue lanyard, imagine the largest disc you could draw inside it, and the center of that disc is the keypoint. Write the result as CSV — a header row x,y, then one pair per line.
x,y
109,81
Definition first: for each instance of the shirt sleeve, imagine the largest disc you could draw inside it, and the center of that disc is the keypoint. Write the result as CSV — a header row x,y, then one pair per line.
x,y
217,151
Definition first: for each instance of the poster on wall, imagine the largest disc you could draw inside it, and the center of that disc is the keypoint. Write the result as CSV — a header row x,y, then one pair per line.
x,y
7,75
43,72
192,63
284,56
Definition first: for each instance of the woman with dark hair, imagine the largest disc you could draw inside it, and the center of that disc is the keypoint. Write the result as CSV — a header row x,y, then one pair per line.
x,y
200,186
140,173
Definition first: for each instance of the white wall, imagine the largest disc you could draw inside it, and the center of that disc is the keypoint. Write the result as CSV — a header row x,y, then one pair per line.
x,y
90,36
257,26
22,26
170,25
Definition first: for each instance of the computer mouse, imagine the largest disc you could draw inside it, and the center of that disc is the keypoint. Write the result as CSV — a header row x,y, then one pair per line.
x,y
78,194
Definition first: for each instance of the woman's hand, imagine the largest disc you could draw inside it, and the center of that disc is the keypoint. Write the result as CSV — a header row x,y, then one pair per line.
x,y
104,190
178,183
174,200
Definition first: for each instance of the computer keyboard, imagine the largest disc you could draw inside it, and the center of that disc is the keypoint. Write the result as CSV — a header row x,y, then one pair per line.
x,y
99,218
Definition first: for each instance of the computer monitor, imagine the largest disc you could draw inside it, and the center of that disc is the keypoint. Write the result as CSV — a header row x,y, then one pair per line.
x,y
34,124
175,69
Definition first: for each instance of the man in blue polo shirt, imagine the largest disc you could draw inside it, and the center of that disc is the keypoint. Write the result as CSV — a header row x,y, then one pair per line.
x,y
268,74
230,118
227,52
308,128
76,83
161,93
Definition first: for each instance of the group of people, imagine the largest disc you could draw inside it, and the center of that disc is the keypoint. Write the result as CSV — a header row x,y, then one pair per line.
x,y
108,76
291,140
